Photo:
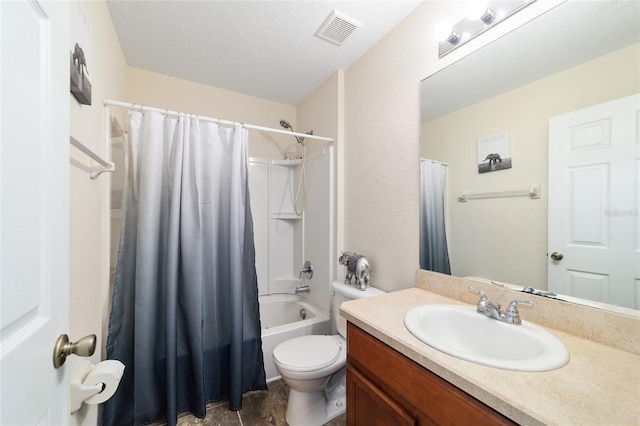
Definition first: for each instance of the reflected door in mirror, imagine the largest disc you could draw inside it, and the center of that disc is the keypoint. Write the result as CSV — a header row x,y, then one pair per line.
x,y
593,202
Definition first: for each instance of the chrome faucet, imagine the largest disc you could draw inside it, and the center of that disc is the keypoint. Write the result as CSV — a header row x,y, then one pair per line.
x,y
487,308
303,289
307,270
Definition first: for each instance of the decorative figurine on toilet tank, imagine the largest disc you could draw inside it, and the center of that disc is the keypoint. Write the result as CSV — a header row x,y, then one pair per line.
x,y
357,267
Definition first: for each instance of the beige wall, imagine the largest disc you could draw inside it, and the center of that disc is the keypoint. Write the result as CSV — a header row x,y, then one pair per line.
x,y
89,220
163,91
381,150
515,230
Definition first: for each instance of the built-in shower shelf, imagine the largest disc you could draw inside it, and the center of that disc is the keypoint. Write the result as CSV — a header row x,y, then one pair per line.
x,y
285,216
286,162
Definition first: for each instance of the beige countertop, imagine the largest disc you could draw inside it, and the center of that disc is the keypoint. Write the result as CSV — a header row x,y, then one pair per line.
x,y
600,385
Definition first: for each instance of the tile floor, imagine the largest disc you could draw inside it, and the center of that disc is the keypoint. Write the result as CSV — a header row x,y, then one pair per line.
x,y
258,408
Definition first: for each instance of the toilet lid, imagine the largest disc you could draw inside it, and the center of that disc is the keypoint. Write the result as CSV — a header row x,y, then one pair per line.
x,y
307,353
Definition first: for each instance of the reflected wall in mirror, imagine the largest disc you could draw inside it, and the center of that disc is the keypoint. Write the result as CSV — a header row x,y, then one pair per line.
x,y
577,55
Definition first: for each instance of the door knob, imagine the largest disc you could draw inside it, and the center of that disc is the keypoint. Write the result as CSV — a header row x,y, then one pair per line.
x,y
556,255
63,348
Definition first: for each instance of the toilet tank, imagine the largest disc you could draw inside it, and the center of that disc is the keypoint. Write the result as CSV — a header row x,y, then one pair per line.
x,y
343,293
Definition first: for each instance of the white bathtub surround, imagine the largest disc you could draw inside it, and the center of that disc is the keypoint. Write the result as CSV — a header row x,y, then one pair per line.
x,y
280,321
284,240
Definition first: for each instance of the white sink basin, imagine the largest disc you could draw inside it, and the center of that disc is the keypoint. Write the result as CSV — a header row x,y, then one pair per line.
x,y
462,332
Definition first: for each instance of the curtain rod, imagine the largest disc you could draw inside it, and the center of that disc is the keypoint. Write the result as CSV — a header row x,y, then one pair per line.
x,y
108,102
434,161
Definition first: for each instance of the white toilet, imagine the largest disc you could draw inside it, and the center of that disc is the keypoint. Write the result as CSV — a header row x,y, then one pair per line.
x,y
314,367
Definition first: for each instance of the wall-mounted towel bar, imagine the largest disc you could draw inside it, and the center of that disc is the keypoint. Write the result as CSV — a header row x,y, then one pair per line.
x,y
94,171
532,192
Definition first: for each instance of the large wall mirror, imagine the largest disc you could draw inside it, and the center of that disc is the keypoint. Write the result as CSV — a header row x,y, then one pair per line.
x,y
538,87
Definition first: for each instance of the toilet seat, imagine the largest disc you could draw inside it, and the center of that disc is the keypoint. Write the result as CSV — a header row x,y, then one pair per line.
x,y
307,353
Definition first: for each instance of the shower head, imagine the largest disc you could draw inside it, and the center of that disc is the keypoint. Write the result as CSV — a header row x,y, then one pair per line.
x,y
284,123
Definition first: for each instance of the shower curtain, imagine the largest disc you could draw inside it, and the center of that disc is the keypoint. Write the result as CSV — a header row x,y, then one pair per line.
x,y
434,254
185,317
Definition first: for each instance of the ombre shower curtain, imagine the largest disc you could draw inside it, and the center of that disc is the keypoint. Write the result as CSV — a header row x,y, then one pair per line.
x,y
434,254
185,317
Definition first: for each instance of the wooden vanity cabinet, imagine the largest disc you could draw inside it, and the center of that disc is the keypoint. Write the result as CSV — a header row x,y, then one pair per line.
x,y
386,388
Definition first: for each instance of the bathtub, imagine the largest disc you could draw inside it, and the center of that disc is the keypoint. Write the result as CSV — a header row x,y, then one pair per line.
x,y
281,320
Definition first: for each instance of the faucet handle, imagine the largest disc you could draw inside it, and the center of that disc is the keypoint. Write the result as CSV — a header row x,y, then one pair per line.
x,y
484,301
482,294
514,303
512,310
307,270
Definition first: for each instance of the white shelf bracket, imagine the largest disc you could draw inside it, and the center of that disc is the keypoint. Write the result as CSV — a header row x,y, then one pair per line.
x,y
103,165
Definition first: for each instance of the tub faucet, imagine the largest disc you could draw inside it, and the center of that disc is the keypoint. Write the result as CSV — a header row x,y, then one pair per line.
x,y
307,270
303,289
487,308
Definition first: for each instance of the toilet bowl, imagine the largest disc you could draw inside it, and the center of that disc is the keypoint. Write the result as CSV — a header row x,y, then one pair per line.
x,y
314,367
307,363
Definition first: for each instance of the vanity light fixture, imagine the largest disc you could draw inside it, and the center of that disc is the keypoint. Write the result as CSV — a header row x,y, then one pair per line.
x,y
480,16
480,10
445,32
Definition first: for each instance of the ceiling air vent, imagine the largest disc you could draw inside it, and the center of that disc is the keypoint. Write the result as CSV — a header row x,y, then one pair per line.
x,y
337,27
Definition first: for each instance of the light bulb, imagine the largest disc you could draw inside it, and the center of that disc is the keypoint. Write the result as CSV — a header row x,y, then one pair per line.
x,y
444,31
480,10
476,9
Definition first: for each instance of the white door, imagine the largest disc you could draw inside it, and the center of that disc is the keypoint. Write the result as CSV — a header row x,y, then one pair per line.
x,y
594,197
34,203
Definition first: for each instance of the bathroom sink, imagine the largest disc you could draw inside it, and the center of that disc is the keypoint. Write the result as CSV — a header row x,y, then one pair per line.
x,y
462,332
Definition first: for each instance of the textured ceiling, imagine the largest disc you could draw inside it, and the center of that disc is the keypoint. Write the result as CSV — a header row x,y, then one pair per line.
x,y
261,48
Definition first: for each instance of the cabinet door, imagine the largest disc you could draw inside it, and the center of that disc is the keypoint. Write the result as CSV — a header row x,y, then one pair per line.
x,y
367,405
410,387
